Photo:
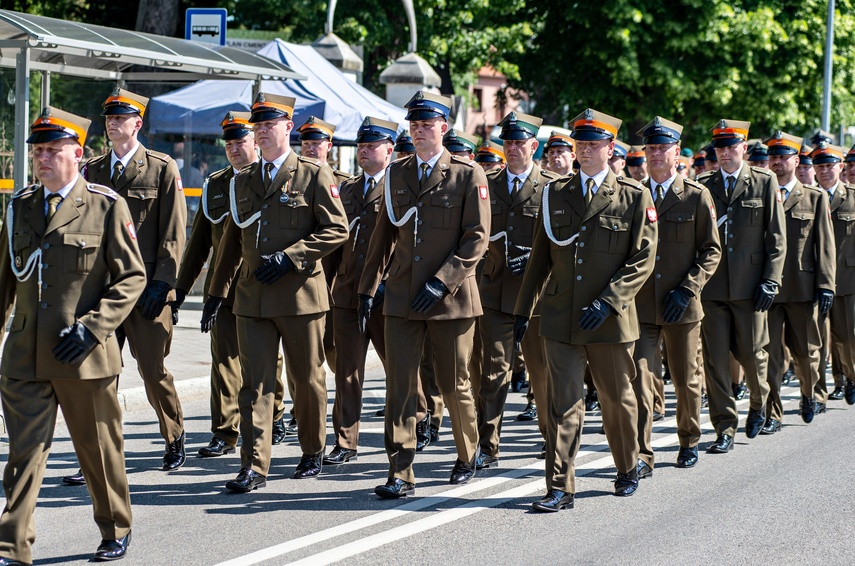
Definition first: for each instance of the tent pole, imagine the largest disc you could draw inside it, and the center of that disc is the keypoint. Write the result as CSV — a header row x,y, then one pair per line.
x,y
22,115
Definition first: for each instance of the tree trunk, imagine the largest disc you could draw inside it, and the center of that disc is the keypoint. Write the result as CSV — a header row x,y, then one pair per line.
x,y
159,17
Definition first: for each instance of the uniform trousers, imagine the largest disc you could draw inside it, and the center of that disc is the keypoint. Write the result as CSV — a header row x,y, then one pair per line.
x,y
301,337
796,324
612,370
451,342
838,342
681,341
94,419
734,326
433,402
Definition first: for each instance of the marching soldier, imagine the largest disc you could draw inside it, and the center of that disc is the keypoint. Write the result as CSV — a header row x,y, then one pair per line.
x,y
437,223
593,249
736,298
669,304
287,215
74,271
808,278
490,156
361,197
151,184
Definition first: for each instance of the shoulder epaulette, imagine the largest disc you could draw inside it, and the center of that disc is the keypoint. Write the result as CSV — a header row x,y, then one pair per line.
x,y
705,175
102,190
158,155
26,191
493,172
761,170
693,183
463,161
549,174
628,181
309,161
219,173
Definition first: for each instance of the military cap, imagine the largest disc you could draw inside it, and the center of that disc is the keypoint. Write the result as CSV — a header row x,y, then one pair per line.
x,y
519,126
711,155
682,163
375,129
687,151
122,101
455,142
404,143
825,152
782,143
591,125
236,125
315,129
660,130
557,139
700,159
760,152
55,124
820,136
804,155
636,157
272,106
490,152
425,105
850,157
621,149
729,132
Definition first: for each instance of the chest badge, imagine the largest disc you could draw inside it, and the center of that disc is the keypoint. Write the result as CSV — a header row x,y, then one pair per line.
x,y
18,262
283,198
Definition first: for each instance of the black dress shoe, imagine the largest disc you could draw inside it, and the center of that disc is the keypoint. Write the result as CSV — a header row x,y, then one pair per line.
x,y
542,454
592,402
849,392
74,479
394,489
291,429
340,455
278,431
175,456
687,457
555,500
518,381
217,447
626,484
462,472
486,461
837,394
309,467
807,409
739,391
666,377
771,426
820,408
434,434
12,562
754,422
423,433
112,549
642,470
722,445
529,413
380,412
658,417
246,481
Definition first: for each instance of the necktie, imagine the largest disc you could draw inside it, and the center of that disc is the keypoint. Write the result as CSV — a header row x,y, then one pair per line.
x,y
660,194
371,183
589,191
118,169
268,175
516,188
728,186
423,179
53,203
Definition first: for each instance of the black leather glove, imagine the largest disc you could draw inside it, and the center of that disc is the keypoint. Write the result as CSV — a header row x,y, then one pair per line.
x,y
825,298
366,302
379,295
275,266
153,299
432,293
764,296
517,265
180,295
594,315
209,313
676,304
77,342
520,328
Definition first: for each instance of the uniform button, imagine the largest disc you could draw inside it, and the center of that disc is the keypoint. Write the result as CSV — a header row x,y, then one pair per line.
x,y
584,228
447,204
730,209
657,258
730,249
264,239
581,244
421,222
364,212
510,228
46,246
579,260
361,240
45,266
361,256
420,204
44,285
578,278
658,276
417,258
730,221
511,214
264,223
265,205
44,305
418,240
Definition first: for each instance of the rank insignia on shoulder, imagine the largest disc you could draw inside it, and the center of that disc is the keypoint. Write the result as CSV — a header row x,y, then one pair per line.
x,y
651,215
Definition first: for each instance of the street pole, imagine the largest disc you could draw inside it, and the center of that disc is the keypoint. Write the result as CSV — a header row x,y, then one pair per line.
x,y
826,82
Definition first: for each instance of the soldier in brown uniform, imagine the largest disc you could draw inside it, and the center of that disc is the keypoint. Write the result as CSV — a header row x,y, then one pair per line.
x,y
807,282
617,162
828,164
151,184
70,264
636,164
736,298
490,156
515,193
669,303
287,216
437,223
361,197
594,248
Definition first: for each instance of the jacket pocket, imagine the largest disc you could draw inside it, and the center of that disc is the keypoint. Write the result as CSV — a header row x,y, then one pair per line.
x,y
141,200
612,234
80,251
752,212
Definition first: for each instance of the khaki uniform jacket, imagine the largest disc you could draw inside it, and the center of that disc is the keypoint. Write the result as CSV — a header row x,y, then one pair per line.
x,y
810,264
687,254
518,219
363,210
446,238
301,215
208,229
92,272
611,259
843,219
151,185
753,236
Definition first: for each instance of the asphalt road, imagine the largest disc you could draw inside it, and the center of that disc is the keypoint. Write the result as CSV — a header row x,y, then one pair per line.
x,y
784,499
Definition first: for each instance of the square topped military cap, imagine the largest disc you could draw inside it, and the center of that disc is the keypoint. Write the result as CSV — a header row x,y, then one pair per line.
x,y
825,152
54,124
782,143
316,129
729,132
236,125
272,106
519,126
426,105
660,131
490,152
374,130
592,125
456,141
123,101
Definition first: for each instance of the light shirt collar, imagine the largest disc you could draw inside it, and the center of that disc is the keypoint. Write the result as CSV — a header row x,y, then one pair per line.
x,y
376,178
63,192
833,189
125,160
735,174
666,186
277,163
431,162
789,187
598,179
522,177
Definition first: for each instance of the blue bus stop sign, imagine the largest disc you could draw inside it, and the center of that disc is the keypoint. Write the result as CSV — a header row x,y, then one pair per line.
x,y
207,25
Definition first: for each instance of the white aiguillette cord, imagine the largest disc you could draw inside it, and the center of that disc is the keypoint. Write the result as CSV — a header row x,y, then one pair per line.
x,y
547,222
35,258
387,191
248,222
205,204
